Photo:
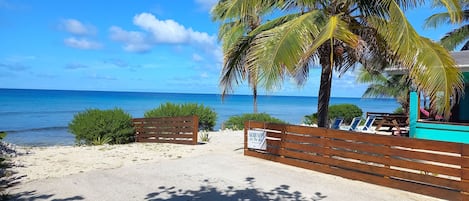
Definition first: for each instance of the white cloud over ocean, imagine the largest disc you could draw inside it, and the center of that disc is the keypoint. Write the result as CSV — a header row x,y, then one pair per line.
x,y
158,31
76,27
82,43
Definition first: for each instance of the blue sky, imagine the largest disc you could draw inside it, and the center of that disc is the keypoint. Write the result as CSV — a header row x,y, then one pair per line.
x,y
151,46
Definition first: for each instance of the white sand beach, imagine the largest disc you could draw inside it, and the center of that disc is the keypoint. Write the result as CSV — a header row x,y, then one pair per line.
x,y
217,170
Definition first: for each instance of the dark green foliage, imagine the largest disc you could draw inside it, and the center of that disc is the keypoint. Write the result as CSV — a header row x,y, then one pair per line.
x,y
93,124
346,111
237,122
207,117
398,110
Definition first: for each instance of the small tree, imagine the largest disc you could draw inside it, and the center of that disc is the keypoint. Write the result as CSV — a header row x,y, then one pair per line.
x,y
346,111
111,126
237,122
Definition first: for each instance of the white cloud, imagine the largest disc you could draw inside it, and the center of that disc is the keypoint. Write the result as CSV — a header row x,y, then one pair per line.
x,y
133,41
197,57
82,43
204,75
169,31
74,66
206,4
75,27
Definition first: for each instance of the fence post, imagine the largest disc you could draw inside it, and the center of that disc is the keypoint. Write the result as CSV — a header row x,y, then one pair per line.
x,y
465,171
414,111
195,129
246,127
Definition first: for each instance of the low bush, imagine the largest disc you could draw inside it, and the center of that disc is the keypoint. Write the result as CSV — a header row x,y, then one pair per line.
x,y
346,111
207,117
399,110
95,126
237,122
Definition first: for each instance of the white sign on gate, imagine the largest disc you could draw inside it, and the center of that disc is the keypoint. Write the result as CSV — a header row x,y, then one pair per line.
x,y
257,140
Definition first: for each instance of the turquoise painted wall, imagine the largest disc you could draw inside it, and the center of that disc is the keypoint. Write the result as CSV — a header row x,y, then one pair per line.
x,y
442,132
434,131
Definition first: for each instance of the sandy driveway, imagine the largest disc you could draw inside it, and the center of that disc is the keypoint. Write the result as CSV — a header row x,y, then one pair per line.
x,y
214,171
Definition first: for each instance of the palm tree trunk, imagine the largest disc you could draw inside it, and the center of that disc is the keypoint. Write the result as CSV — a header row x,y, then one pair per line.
x,y
324,94
254,94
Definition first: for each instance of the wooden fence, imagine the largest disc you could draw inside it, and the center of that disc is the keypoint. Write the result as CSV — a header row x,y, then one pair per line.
x,y
179,130
434,168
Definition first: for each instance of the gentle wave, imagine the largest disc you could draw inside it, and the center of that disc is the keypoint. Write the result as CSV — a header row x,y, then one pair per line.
x,y
54,128
39,112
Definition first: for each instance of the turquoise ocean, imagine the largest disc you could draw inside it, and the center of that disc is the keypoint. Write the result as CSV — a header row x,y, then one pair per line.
x,y
40,117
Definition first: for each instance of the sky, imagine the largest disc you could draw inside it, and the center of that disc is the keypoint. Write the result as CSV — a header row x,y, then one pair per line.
x,y
125,45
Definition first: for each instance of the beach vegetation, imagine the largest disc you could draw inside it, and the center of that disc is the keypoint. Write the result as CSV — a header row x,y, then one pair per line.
x,y
398,110
207,116
345,111
338,36
101,140
237,122
456,37
382,85
204,136
106,126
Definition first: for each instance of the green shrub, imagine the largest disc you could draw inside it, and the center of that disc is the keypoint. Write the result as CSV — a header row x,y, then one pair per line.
x,y
207,117
95,126
237,122
346,111
399,110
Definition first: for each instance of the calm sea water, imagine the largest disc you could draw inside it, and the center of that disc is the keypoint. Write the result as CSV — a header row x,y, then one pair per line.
x,y
40,117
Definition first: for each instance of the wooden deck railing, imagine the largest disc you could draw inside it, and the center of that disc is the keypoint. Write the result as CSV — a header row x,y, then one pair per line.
x,y
434,168
179,130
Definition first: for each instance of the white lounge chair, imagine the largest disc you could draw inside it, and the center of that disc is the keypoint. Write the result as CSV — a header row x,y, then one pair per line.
x,y
353,125
368,123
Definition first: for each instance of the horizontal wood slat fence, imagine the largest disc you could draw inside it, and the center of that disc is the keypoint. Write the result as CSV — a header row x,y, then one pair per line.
x,y
178,130
434,168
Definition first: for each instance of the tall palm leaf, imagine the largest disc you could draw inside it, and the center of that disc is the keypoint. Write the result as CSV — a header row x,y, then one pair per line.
x,y
382,85
456,37
238,18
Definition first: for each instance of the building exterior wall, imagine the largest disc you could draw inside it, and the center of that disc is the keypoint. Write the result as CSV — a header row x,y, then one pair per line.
x,y
440,131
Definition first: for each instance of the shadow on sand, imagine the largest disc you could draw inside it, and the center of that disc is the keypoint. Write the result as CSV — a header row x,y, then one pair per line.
x,y
209,192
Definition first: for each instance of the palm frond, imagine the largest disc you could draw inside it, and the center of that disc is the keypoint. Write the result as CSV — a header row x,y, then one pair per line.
x,y
455,38
229,33
418,55
444,77
334,29
437,19
233,70
234,10
282,46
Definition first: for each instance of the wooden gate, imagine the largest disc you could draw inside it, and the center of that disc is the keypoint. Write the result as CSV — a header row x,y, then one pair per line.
x,y
179,130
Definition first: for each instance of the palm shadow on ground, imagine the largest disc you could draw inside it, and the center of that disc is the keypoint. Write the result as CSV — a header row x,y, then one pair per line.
x,y
32,195
209,192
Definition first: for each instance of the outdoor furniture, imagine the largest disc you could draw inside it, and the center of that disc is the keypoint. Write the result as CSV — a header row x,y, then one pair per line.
x,y
368,123
404,132
336,123
387,121
353,125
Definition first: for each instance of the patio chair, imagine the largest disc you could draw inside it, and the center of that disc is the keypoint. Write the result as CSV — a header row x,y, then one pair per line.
x,y
368,123
336,123
353,125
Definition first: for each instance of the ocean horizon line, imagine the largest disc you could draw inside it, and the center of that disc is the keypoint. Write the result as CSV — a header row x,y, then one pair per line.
x,y
155,92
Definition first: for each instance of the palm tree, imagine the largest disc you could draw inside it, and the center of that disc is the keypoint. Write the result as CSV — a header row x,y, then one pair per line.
x,y
338,34
383,85
237,23
456,37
